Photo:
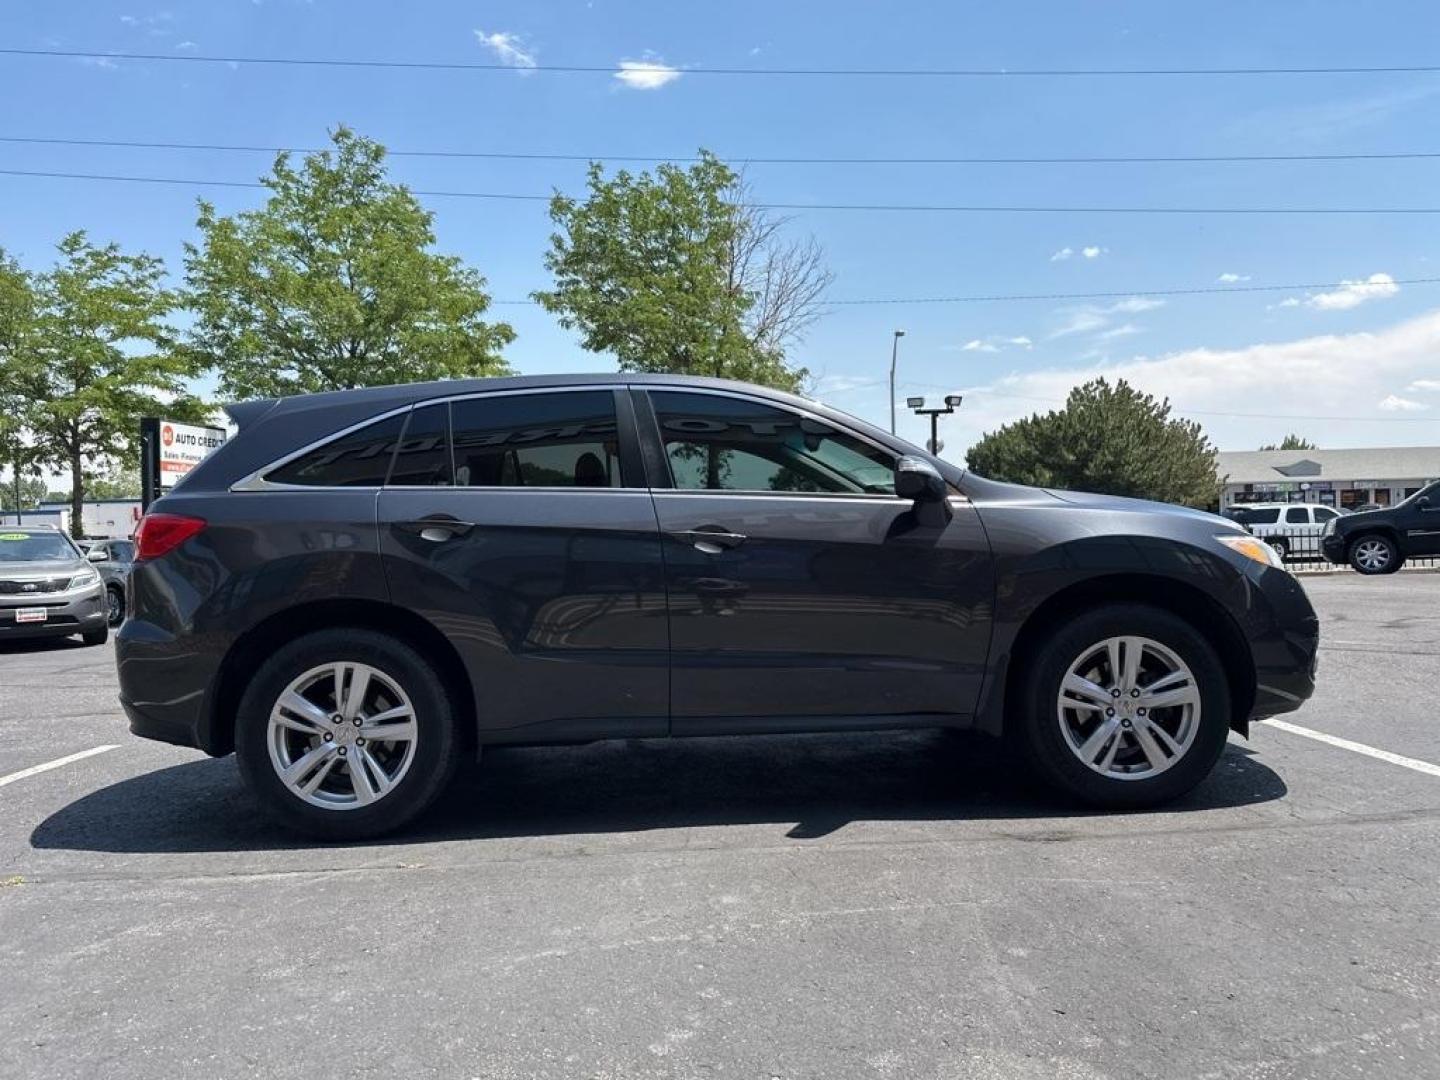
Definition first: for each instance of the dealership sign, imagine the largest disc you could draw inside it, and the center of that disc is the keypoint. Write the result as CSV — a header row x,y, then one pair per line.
x,y
181,447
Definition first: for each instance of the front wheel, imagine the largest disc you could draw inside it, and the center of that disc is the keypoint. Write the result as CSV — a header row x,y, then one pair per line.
x,y
114,605
96,637
1126,706
1374,555
345,734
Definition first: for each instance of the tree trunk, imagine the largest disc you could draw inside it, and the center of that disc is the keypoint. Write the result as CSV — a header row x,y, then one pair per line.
x,y
77,498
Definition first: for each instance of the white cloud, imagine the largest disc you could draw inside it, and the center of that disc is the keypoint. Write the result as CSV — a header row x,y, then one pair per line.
x,y
186,45
1354,293
1393,403
1093,317
648,74
1231,279
1089,251
1093,252
1425,386
1022,342
1289,301
1063,254
508,48
1344,377
1124,330
978,346
1135,304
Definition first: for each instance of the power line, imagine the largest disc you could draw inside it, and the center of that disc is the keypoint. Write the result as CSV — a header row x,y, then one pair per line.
x,y
612,69
861,207
493,155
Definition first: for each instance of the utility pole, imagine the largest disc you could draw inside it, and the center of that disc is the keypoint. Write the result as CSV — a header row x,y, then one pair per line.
x,y
894,350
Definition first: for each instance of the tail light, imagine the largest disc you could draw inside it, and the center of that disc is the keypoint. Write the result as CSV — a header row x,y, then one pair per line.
x,y
158,533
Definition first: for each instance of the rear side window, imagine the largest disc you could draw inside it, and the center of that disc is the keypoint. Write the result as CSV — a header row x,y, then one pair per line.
x,y
423,456
359,459
537,440
1261,517
1297,515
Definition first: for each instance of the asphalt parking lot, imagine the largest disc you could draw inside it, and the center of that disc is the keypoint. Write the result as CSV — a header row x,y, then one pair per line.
x,y
857,906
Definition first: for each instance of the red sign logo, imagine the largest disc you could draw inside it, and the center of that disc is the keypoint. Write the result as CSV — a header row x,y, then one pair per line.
x,y
167,435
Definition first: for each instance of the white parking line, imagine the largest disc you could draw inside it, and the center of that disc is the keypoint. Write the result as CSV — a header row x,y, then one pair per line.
x,y
1359,748
66,760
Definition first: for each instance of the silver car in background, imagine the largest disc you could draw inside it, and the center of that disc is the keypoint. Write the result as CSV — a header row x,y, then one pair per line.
x,y
48,588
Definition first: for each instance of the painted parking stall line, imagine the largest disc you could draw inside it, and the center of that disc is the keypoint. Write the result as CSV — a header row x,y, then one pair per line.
x,y
1360,748
68,759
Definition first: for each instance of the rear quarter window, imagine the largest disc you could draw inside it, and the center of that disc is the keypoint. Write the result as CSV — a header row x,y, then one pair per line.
x,y
359,459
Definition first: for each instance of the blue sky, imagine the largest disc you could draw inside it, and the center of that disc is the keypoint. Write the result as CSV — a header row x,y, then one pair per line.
x,y
1366,360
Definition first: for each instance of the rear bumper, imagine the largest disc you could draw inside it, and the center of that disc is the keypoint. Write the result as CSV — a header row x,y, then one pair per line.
x,y
165,686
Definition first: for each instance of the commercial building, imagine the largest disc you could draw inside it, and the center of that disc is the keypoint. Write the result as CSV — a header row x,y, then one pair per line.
x,y
1343,478
103,519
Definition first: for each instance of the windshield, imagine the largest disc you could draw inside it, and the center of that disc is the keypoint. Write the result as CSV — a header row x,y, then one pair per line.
x,y
17,547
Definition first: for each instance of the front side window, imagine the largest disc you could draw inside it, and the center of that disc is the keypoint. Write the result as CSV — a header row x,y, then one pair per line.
x,y
1323,514
719,443
537,440
422,458
359,459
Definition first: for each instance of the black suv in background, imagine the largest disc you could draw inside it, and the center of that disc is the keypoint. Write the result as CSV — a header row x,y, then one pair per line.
x,y
360,587
1379,541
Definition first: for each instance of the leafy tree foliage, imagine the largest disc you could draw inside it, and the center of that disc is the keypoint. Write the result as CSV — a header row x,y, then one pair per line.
x,y
32,493
1109,439
93,355
672,272
1292,442
333,285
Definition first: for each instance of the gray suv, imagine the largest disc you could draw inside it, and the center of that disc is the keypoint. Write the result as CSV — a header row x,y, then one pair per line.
x,y
48,588
112,558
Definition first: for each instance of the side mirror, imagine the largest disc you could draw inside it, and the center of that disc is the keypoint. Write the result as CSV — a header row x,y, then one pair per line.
x,y
918,480
95,555
1423,502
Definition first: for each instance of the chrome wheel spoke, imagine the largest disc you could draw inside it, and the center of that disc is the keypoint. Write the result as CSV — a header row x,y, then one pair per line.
x,y
307,761
354,699
1180,695
1106,736
398,731
299,713
1085,690
1145,738
317,777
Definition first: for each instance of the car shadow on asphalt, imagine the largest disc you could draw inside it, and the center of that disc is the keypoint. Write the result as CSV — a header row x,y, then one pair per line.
x,y
816,783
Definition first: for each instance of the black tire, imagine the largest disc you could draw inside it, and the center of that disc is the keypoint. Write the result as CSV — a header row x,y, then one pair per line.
x,y
115,605
436,746
1038,733
1281,546
96,637
1374,542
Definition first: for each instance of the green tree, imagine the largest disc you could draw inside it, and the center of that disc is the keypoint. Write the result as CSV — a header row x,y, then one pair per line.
x,y
1109,439
98,356
32,493
17,313
332,285
115,484
674,272
1292,442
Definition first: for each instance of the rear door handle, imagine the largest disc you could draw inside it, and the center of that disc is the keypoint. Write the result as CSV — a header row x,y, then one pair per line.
x,y
711,539
437,528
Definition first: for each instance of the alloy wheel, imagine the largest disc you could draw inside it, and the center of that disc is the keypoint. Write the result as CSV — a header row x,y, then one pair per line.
x,y
342,735
1129,708
1372,554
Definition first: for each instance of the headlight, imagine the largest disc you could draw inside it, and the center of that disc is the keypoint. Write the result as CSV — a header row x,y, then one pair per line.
x,y
1329,529
85,577
1252,548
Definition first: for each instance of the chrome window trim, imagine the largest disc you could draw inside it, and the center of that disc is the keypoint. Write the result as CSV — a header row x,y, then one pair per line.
x,y
256,481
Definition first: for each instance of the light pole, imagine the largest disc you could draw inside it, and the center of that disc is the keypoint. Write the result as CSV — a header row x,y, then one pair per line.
x,y
952,402
894,350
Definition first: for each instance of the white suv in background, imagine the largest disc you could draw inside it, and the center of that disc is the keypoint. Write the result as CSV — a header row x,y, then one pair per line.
x,y
1292,529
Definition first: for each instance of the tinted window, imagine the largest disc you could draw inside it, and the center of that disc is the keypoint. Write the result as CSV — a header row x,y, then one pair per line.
x,y
359,459
1297,515
1260,517
537,440
1324,514
423,456
733,444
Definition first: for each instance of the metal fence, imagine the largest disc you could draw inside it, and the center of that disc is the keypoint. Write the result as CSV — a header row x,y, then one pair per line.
x,y
1302,554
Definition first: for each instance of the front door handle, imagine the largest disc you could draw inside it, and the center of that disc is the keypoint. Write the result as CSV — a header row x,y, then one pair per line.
x,y
711,539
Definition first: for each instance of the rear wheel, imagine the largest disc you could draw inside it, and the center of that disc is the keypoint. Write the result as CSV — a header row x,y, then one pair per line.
x,y
1125,706
114,605
1280,544
1375,554
345,734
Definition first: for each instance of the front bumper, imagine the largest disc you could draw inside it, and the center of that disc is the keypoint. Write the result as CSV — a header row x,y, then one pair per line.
x,y
1284,644
67,613
1333,548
